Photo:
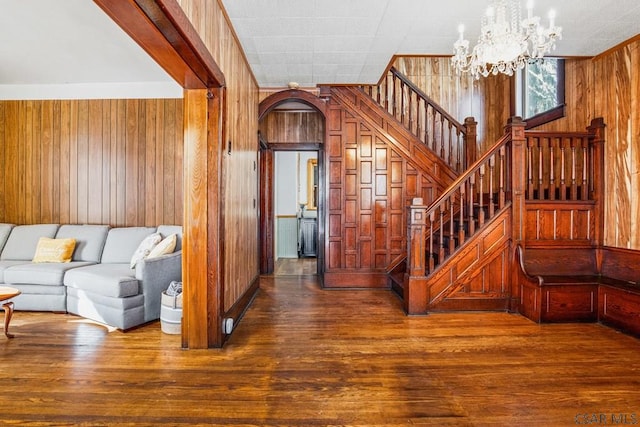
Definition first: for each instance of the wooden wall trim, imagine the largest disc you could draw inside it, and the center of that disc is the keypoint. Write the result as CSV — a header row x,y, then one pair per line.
x,y
163,30
278,98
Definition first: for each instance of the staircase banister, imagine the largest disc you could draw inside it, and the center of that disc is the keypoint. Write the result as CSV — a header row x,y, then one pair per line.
x,y
551,134
470,170
430,101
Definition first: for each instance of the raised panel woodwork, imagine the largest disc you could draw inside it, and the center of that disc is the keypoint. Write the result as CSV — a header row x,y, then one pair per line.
x,y
619,308
476,278
376,184
116,162
573,303
559,223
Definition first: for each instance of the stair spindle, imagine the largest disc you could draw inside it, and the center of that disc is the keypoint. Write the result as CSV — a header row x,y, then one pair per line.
x,y
452,245
431,254
481,217
540,168
472,224
529,168
441,240
552,171
503,177
563,183
461,236
492,167
574,184
583,187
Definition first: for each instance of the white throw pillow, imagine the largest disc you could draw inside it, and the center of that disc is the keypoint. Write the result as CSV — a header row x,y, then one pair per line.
x,y
145,247
167,246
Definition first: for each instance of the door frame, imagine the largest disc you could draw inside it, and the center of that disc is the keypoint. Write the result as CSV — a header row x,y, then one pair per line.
x,y
266,178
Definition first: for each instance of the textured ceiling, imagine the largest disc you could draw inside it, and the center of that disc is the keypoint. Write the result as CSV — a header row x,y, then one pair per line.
x,y
352,41
72,42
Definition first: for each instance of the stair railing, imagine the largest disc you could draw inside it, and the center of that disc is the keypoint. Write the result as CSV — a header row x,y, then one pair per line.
x,y
453,141
492,183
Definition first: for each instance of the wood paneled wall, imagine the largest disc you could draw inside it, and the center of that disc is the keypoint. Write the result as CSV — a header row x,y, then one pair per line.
x,y
293,127
617,99
369,187
487,99
241,129
116,162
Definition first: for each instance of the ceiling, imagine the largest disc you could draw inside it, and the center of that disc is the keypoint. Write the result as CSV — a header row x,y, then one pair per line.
x,y
72,43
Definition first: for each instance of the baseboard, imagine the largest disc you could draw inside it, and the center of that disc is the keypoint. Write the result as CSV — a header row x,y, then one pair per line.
x,y
240,307
364,280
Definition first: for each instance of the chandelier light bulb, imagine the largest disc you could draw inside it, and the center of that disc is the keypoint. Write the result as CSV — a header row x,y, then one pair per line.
x,y
506,42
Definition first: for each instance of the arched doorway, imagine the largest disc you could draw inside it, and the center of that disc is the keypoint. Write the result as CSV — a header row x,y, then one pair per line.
x,y
304,139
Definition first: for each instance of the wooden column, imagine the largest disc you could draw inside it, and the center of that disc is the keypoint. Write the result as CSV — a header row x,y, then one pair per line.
x,y
416,291
471,141
515,126
203,245
597,191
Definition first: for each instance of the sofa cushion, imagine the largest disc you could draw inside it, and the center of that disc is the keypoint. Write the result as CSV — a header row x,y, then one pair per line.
x,y
166,246
122,243
90,240
50,273
112,280
54,250
167,230
5,229
9,263
144,248
22,242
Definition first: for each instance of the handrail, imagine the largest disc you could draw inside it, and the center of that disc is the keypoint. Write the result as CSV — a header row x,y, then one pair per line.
x,y
470,171
438,130
430,101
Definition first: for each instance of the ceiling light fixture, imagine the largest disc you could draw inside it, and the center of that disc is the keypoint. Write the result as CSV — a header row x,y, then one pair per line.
x,y
503,46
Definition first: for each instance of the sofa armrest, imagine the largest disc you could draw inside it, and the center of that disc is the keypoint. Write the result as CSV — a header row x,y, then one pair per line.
x,y
155,275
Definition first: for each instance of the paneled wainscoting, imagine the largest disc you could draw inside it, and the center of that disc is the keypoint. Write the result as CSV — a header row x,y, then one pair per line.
x,y
303,356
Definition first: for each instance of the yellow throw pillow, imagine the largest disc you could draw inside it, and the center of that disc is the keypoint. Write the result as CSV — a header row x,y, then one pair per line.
x,y
54,250
166,246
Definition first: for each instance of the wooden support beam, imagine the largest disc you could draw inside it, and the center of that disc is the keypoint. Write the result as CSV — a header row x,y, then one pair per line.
x,y
203,243
163,30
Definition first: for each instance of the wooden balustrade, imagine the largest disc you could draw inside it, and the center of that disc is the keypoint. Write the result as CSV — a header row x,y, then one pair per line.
x,y
560,165
453,141
472,200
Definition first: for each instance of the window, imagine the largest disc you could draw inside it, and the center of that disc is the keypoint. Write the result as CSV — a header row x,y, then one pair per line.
x,y
540,92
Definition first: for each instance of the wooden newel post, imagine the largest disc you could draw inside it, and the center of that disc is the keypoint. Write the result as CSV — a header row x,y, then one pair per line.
x,y
515,127
416,296
597,185
471,141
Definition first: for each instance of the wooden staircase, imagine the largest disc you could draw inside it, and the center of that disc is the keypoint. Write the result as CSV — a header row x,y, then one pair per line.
x,y
460,247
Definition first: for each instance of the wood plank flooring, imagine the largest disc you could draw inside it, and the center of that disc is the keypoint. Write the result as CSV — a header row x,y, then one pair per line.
x,y
309,357
295,266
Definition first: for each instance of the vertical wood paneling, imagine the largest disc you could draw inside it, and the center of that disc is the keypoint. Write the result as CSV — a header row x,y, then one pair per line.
x,y
617,89
241,128
85,161
292,127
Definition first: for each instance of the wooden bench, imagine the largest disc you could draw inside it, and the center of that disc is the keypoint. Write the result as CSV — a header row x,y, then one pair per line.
x,y
580,285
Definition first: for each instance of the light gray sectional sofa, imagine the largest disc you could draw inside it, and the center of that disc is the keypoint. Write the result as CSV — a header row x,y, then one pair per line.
x,y
98,283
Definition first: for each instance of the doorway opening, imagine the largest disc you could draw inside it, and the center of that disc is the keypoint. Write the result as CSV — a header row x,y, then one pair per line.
x,y
296,212
292,136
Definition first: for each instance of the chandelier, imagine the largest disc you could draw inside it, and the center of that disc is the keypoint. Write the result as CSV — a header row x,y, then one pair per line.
x,y
507,42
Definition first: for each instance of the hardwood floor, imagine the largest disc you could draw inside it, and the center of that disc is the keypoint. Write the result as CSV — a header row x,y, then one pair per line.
x,y
295,266
309,357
